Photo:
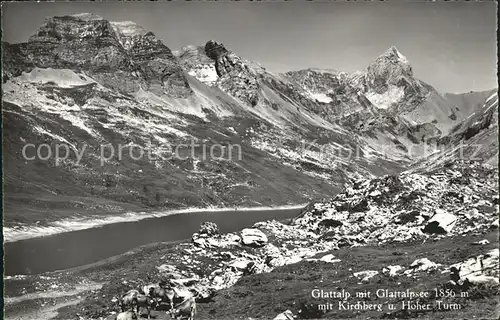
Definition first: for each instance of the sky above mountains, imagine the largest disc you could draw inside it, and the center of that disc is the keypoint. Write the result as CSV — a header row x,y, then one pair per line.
x,y
451,45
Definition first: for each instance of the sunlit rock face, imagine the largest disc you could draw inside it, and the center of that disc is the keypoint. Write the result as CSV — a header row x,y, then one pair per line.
x,y
122,55
235,76
390,68
198,64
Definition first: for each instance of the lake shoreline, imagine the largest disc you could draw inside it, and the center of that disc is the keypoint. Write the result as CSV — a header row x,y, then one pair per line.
x,y
19,233
64,250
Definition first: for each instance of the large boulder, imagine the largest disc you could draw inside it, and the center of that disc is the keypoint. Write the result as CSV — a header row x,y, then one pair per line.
x,y
240,264
482,269
366,275
494,224
424,265
392,271
441,222
253,237
207,236
285,315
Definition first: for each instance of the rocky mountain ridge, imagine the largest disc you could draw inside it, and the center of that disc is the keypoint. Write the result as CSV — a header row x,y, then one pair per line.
x,y
122,59
84,80
87,82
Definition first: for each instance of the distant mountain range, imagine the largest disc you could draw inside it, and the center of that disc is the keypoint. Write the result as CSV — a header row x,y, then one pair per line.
x,y
82,80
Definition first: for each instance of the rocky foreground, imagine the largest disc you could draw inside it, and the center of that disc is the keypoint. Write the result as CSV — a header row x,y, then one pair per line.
x,y
432,237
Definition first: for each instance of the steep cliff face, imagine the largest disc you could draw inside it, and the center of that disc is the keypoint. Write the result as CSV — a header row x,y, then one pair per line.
x,y
391,69
198,64
475,138
13,61
234,75
337,97
121,55
128,33
271,96
387,97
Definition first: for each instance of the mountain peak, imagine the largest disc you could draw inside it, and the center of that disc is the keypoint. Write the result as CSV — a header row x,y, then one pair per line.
x,y
394,54
390,64
390,77
215,49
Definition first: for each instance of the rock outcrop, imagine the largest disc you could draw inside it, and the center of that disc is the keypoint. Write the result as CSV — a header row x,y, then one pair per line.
x,y
441,222
402,208
235,76
122,56
391,68
479,270
253,237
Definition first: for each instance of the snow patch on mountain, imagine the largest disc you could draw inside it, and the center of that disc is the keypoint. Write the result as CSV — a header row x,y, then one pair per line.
x,y
393,52
24,94
52,135
401,57
128,28
384,100
63,78
205,73
78,121
128,32
321,97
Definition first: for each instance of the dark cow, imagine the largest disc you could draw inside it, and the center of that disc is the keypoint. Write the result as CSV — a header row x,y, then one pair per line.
x,y
134,300
128,301
184,310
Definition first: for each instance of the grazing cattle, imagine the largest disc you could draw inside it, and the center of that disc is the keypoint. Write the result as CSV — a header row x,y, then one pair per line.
x,y
184,310
127,315
182,302
129,300
134,300
147,289
455,274
158,294
172,294
145,302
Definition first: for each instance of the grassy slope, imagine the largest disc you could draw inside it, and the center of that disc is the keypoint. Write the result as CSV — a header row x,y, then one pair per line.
x,y
44,192
262,296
